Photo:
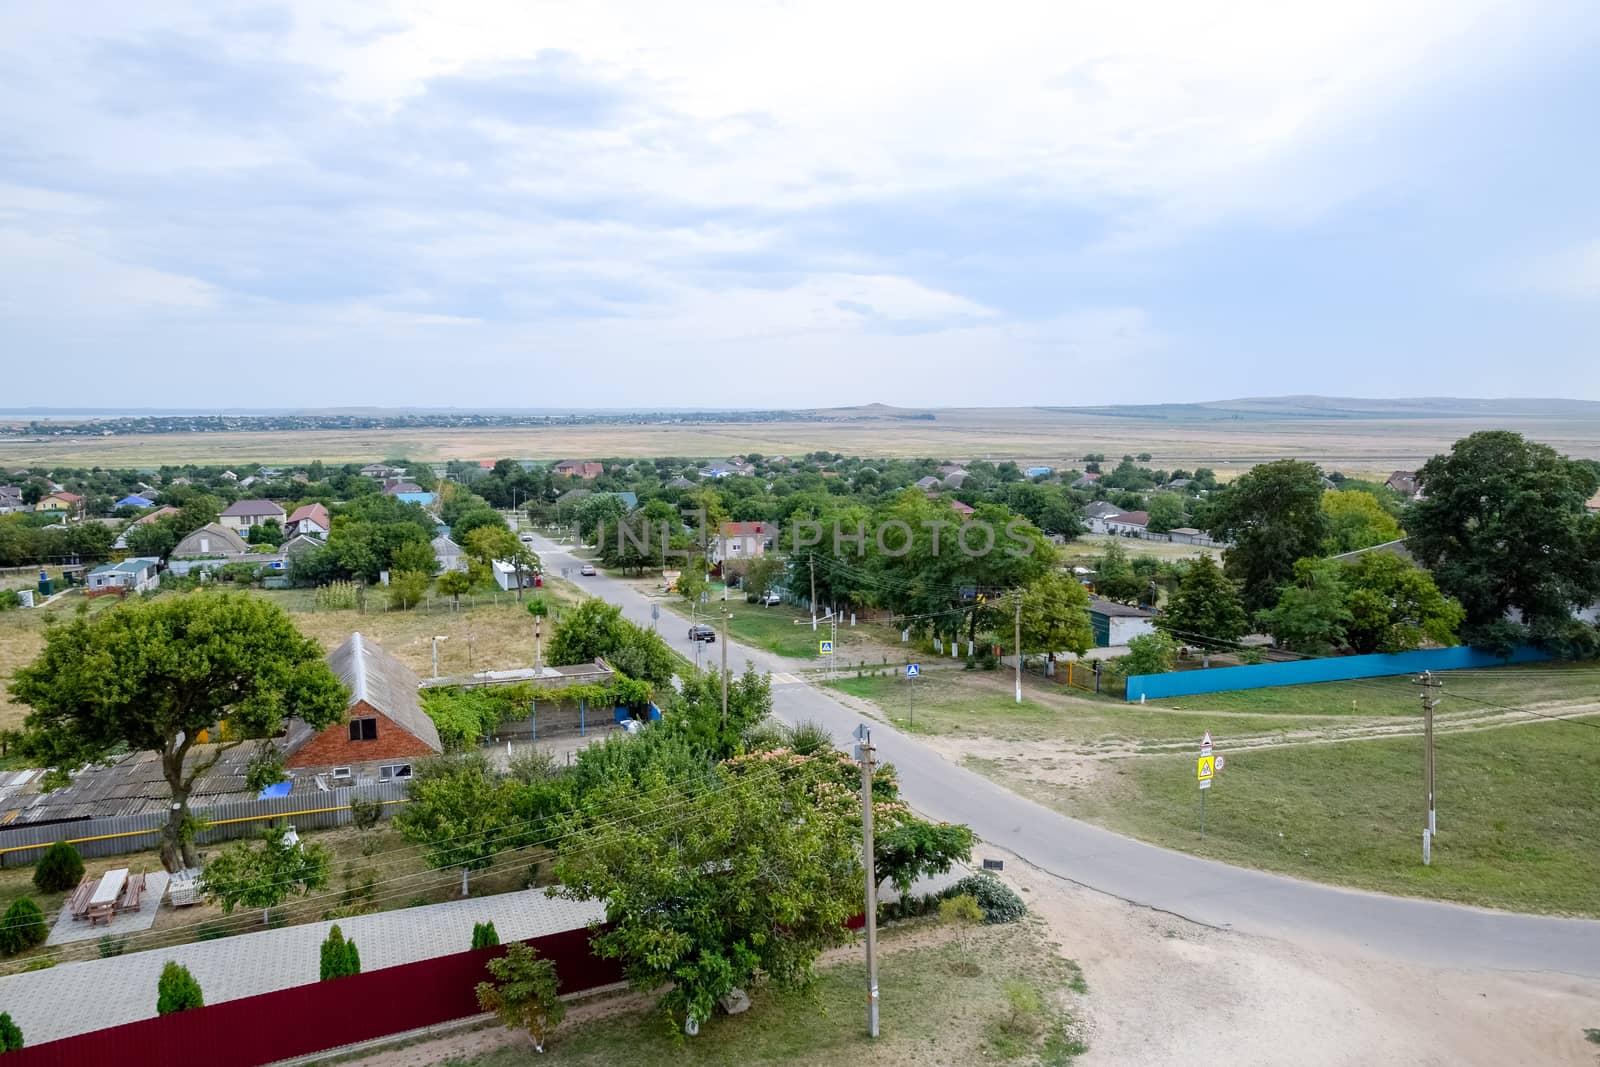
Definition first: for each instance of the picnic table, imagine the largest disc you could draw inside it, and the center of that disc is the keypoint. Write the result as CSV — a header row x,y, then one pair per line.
x,y
103,901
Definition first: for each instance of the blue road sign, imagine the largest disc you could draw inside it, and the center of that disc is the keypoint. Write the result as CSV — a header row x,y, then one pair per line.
x,y
913,670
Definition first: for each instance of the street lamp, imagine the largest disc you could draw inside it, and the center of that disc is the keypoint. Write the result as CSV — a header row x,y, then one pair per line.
x,y
437,638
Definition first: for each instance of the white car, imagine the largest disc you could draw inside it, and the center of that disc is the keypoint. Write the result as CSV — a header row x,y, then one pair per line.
x,y
527,538
587,570
770,600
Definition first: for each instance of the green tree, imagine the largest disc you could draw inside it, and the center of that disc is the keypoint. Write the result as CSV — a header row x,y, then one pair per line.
x,y
1313,614
484,935
1149,654
10,1034
524,993
197,511
339,957
152,675
692,581
414,556
268,532
407,589
1206,609
1395,606
917,849
1273,516
22,927
456,813
597,629
1356,520
1503,527
1166,512
265,875
1114,577
154,539
763,575
1055,615
489,543
59,869
453,583
177,990
755,873
697,715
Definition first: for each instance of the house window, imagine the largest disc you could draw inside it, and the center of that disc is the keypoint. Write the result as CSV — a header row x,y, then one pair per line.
x,y
398,770
341,772
363,729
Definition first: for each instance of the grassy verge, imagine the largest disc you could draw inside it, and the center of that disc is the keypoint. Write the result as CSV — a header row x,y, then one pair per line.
x,y
1515,810
773,629
1517,685
990,994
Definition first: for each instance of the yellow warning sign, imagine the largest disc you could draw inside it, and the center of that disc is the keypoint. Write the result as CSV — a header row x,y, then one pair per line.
x,y
1205,768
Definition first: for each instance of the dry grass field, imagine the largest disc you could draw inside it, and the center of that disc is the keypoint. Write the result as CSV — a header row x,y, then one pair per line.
x,y
1354,445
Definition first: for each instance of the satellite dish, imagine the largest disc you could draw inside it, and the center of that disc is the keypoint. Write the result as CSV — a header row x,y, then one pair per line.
x,y
691,1026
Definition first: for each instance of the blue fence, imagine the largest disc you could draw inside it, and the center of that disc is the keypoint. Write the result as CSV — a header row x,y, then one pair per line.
x,y
1335,669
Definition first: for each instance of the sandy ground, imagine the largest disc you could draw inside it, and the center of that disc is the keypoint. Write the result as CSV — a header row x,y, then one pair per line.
x,y
1165,991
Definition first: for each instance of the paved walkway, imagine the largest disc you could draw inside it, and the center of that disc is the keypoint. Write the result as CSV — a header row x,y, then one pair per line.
x,y
74,998
124,922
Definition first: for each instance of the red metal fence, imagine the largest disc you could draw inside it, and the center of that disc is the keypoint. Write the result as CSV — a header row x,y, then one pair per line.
x,y
312,1018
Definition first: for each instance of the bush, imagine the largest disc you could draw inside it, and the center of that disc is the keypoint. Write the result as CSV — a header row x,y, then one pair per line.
x,y
960,908
995,899
59,869
9,599
23,927
10,1034
176,990
365,813
339,957
112,946
335,596
809,737
484,935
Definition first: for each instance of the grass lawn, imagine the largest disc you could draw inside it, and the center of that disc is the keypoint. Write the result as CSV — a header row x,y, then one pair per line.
x,y
982,704
949,1002
773,629
1515,806
1515,685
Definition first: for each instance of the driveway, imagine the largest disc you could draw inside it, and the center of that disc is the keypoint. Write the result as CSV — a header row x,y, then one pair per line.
x,y
1199,890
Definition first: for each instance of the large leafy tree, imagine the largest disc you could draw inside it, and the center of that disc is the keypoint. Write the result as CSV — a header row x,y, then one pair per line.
x,y
1055,615
597,629
706,887
1166,512
458,813
1356,519
1313,614
1503,527
1395,606
153,675
1206,609
1273,516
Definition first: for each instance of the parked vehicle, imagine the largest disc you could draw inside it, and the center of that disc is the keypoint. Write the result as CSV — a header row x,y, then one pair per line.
x,y
701,632
769,599
587,570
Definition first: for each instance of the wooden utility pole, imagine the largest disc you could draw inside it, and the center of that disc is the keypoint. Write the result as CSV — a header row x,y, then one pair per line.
x,y
1430,826
872,882
1018,647
724,659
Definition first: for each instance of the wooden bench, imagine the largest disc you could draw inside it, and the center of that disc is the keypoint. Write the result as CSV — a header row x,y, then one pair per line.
x,y
131,893
81,895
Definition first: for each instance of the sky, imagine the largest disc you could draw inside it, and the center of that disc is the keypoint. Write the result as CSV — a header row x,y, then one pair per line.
x,y
793,204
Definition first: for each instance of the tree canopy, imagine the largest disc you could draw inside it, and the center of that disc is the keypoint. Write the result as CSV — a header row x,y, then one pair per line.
x,y
1273,516
1206,609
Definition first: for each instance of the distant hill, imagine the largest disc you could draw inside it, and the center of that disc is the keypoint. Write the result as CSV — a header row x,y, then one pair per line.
x,y
1261,409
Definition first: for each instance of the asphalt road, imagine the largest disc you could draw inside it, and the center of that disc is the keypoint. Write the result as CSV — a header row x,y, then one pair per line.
x,y
1196,889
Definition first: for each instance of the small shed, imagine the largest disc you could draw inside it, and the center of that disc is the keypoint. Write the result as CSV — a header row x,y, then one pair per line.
x,y
1117,624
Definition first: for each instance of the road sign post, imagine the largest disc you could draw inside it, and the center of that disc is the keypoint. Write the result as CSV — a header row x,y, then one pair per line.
x,y
913,672
1205,769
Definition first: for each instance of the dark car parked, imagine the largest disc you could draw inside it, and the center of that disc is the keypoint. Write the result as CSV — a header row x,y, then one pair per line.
x,y
702,632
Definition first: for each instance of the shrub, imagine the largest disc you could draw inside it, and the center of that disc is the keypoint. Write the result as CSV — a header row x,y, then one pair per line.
x,y
112,946
9,599
960,908
335,596
484,935
10,1034
60,868
996,900
23,927
177,990
365,813
808,738
339,957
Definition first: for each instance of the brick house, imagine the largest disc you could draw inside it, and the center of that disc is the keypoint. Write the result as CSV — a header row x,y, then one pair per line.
x,y
384,729
743,540
574,469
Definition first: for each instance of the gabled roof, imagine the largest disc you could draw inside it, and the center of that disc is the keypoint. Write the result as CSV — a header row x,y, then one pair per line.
x,y
221,541
386,684
315,512
62,494
443,546
1101,509
748,529
241,509
961,508
1111,609
134,500
1131,518
153,516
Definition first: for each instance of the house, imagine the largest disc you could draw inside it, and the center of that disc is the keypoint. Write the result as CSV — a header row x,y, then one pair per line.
x,y
629,500
725,470
133,500
130,576
299,545
680,482
243,514
215,546
505,575
572,468
148,517
423,499
743,540
1180,483
309,519
384,729
1086,481
247,481
1128,523
955,479
927,484
383,472
11,499
1116,624
68,504
950,468
1594,503
1100,509
961,509
396,486
1036,472
1404,483
449,554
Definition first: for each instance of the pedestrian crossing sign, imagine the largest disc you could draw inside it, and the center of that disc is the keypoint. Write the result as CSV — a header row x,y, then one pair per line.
x,y
912,670
824,648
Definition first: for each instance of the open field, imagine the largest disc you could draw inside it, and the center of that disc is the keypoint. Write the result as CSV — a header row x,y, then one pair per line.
x,y
1357,445
946,1001
1092,546
1310,789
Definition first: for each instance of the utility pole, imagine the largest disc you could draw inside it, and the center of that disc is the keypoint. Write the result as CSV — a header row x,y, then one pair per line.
x,y
812,558
1019,646
724,659
1430,826
865,749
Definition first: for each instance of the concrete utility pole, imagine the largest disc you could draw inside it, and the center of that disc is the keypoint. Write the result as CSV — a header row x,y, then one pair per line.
x,y
724,659
812,558
872,882
1430,826
1019,646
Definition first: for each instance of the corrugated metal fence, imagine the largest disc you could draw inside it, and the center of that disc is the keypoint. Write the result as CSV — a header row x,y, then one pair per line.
x,y
1332,669
92,838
